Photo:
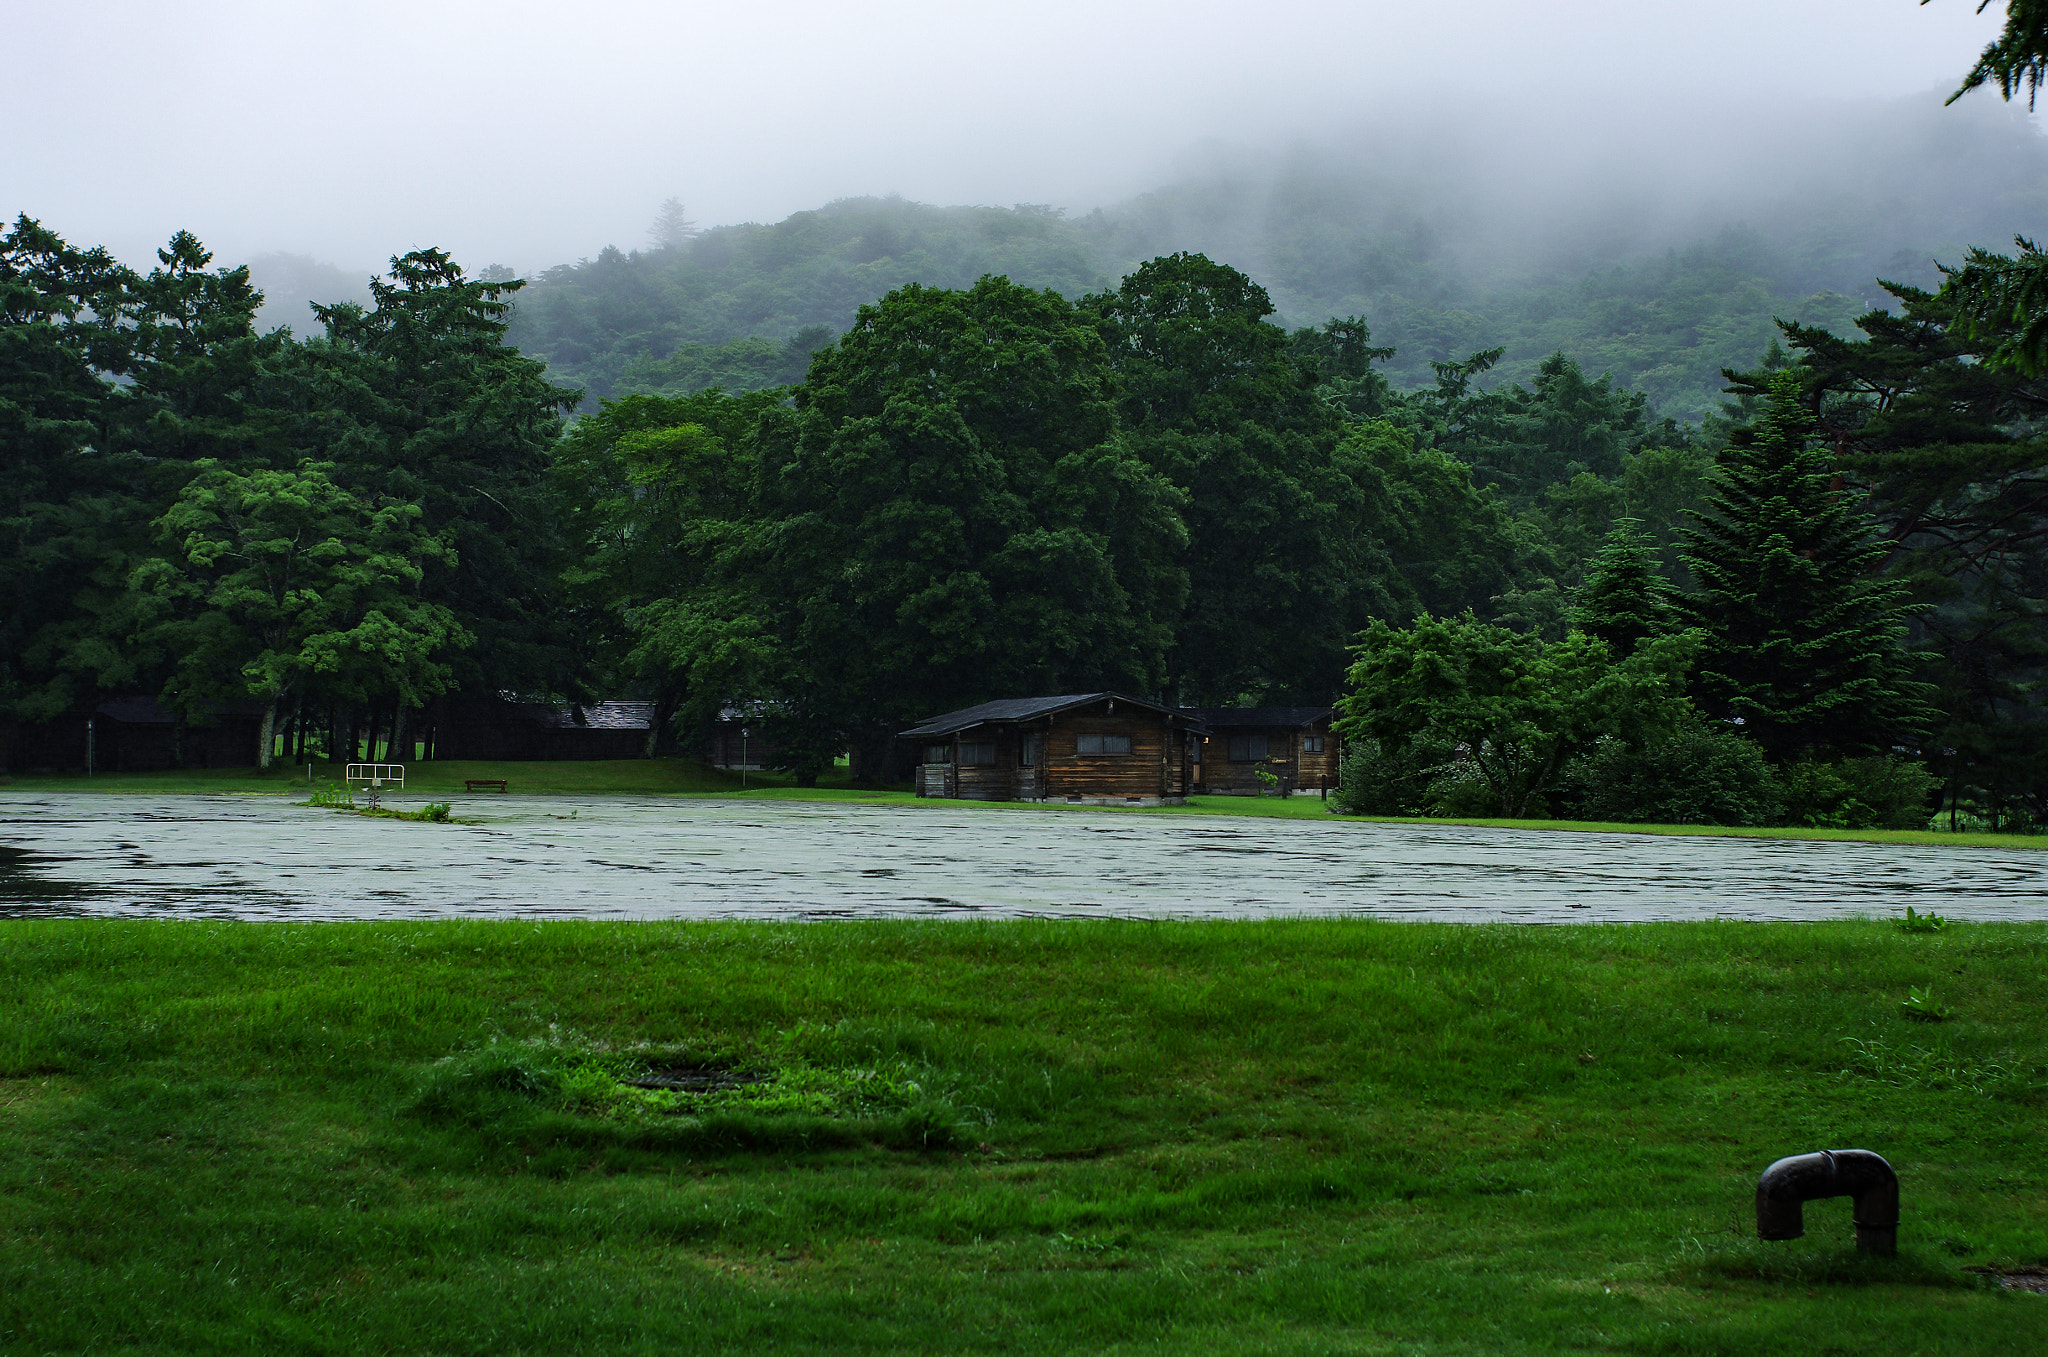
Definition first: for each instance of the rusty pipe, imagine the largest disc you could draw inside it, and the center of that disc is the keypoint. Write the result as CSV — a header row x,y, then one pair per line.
x,y
1793,1181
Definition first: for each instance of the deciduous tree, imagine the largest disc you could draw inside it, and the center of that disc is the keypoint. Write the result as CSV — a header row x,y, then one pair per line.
x,y
280,582
1517,706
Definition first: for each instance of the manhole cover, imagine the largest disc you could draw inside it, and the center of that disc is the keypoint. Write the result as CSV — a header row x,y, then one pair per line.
x,y
2033,1279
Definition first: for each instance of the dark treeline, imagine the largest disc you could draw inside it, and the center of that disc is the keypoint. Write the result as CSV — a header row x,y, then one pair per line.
x,y
340,529
1541,596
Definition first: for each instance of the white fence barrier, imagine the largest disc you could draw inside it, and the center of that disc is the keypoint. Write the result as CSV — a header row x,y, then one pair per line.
x,y
376,774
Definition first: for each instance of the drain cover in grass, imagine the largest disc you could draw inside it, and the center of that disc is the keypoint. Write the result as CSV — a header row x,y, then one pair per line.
x,y
694,1078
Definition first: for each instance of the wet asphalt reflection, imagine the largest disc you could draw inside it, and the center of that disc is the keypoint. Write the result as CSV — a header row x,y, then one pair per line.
x,y
652,858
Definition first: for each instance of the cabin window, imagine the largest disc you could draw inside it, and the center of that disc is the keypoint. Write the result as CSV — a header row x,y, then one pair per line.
x,y
1027,752
977,756
1194,749
1102,744
1249,748
1311,744
938,753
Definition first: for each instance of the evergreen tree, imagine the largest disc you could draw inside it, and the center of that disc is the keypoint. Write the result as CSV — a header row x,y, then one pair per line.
x,y
2019,56
1949,442
66,500
1803,645
1626,600
418,399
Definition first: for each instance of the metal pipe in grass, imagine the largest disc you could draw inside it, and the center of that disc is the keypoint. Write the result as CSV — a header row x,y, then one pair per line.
x,y
1797,1179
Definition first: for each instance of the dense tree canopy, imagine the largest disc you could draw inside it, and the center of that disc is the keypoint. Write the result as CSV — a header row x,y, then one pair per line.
x,y
992,490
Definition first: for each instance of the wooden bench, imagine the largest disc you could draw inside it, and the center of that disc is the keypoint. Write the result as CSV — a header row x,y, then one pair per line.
x,y
470,784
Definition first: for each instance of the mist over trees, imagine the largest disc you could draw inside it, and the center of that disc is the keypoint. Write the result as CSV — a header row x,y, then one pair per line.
x,y
1660,260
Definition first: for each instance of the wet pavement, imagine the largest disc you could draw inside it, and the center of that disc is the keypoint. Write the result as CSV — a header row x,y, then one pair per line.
x,y
253,857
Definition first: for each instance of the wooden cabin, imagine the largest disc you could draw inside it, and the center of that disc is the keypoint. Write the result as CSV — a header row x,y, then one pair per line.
x,y
1087,748
1294,744
135,734
494,728
737,741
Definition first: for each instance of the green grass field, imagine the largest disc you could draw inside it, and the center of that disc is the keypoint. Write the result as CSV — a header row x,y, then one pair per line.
x,y
1300,1137
677,777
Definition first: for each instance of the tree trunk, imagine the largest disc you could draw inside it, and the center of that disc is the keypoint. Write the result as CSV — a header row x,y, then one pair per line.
x,y
664,709
266,736
869,757
401,735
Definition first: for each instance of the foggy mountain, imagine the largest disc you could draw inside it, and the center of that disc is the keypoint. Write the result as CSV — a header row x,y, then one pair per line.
x,y
290,283
1658,255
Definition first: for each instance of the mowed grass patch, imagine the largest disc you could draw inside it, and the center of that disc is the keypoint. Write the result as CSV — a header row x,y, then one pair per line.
x,y
1030,1136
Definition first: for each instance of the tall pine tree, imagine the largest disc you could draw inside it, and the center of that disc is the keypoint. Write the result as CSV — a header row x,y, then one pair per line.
x,y
1626,600
1804,644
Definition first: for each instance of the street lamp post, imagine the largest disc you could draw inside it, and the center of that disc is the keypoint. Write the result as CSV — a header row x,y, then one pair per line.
x,y
743,758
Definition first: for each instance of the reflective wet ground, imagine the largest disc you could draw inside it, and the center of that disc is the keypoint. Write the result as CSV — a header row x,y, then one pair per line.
x,y
658,858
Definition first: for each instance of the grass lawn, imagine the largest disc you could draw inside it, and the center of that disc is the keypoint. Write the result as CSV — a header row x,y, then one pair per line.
x,y
1292,1137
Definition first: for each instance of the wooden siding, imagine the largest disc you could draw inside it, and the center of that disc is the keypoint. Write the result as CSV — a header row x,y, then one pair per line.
x,y
1156,767
1146,772
1297,771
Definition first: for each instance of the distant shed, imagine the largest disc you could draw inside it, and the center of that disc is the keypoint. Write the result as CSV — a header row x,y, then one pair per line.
x,y
1101,748
1294,744
738,741
137,734
494,728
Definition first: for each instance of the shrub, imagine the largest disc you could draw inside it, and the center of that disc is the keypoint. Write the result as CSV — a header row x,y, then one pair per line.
x,y
1372,780
1700,775
1868,793
1460,791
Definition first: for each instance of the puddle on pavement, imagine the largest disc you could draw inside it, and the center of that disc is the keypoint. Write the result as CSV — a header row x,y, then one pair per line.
x,y
659,858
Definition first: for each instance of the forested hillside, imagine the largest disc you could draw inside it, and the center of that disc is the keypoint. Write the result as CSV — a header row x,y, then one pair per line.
x,y
1662,282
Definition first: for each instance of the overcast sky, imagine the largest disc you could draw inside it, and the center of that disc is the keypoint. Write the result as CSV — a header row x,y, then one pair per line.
x,y
536,133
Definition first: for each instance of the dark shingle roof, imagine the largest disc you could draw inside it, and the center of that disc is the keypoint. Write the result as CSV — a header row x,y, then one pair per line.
x,y
597,716
1218,717
1019,709
147,711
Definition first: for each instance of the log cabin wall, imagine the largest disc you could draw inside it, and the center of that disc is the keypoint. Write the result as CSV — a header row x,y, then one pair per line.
x,y
1318,765
1138,753
1302,757
1225,775
986,763
1142,774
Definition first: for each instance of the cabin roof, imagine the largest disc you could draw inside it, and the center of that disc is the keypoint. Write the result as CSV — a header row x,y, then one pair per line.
x,y
1220,717
598,716
134,710
594,715
1023,709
